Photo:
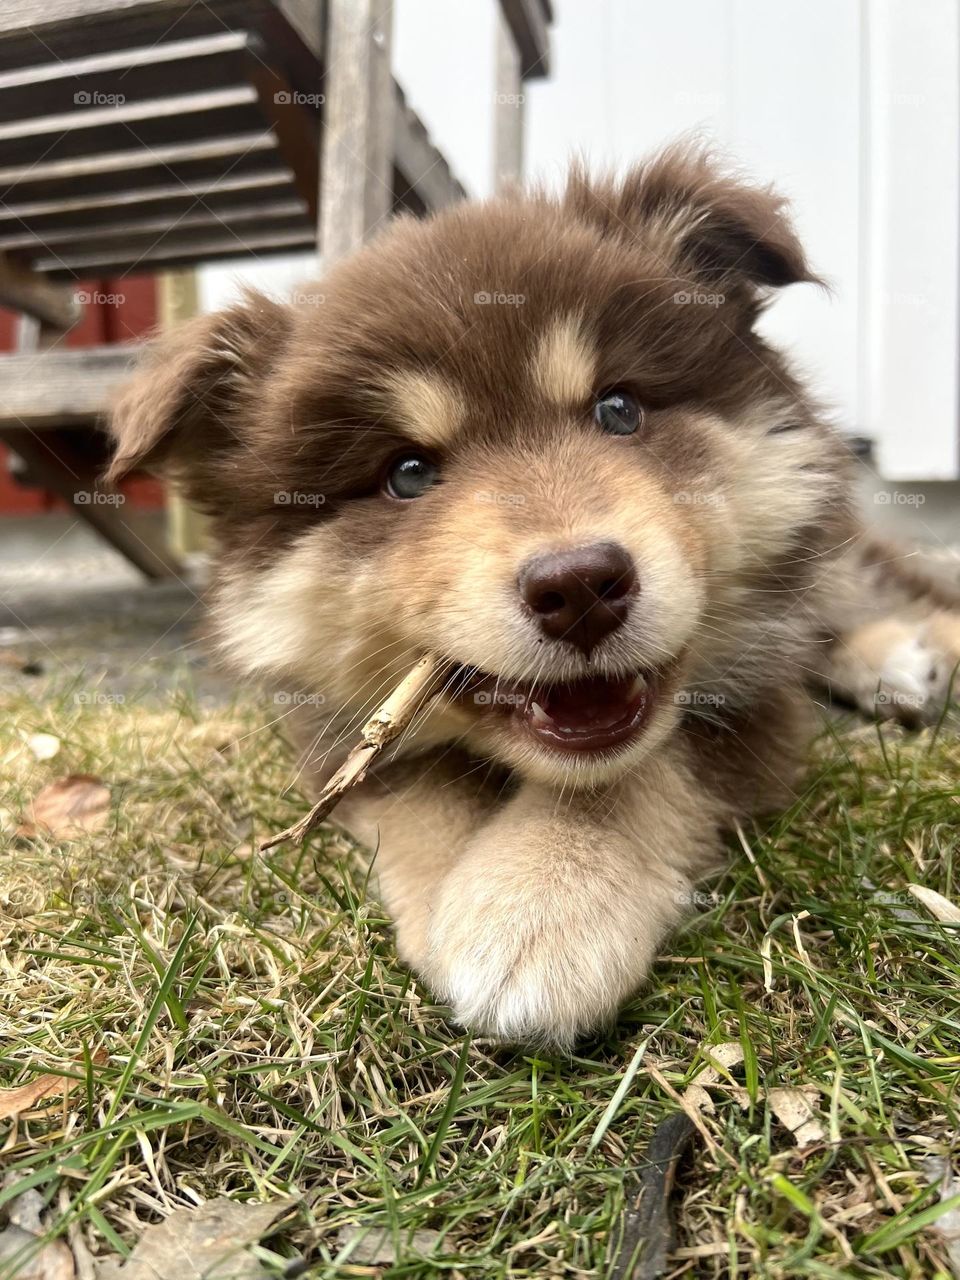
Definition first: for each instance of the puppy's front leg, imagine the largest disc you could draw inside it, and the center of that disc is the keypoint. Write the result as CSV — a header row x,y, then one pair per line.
x,y
418,815
553,913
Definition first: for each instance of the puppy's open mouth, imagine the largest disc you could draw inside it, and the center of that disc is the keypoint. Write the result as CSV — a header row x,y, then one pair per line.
x,y
590,715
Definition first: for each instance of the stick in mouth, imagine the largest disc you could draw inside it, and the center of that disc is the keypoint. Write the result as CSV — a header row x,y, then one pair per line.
x,y
386,724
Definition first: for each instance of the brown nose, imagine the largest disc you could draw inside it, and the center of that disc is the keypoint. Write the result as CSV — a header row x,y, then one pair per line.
x,y
580,595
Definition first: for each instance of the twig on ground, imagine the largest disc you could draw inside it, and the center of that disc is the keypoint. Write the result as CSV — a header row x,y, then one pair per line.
x,y
648,1234
386,724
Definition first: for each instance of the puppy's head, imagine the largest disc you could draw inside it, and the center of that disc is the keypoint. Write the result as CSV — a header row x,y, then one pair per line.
x,y
538,437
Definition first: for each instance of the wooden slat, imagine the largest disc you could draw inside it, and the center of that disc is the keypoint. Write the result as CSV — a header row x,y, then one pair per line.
x,y
356,192
33,15
404,197
137,167
422,169
54,461
296,127
40,19
529,21
36,32
93,65
68,171
35,296
116,91
268,213
127,75
173,251
508,108
216,193
51,388
156,122
236,95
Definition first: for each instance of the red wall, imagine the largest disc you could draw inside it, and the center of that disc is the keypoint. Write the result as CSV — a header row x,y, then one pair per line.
x,y
102,322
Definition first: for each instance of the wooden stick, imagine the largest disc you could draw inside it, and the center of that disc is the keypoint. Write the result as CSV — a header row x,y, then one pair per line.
x,y
381,729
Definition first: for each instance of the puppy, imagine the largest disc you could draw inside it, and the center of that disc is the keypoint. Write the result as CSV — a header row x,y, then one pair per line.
x,y
542,438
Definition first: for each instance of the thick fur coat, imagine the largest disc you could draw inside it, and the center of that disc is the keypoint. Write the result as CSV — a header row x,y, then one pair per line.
x,y
542,438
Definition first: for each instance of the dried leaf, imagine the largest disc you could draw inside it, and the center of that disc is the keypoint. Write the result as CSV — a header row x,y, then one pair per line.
x,y
207,1243
940,908
795,1110
13,1101
52,1261
17,662
72,805
24,1096
726,1055
43,745
34,1261
698,1098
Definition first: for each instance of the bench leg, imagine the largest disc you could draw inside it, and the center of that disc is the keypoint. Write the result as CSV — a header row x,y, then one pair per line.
x,y
64,471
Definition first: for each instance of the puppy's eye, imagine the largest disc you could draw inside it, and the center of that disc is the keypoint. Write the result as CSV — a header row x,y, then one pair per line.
x,y
411,476
618,413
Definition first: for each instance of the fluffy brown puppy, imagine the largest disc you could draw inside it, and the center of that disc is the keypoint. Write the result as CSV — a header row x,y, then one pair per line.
x,y
542,438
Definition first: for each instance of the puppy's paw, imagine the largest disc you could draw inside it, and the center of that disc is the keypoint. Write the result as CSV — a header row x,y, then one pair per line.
x,y
522,982
941,633
539,963
902,670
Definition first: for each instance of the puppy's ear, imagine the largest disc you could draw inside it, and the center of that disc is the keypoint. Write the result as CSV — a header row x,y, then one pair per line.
x,y
717,230
185,409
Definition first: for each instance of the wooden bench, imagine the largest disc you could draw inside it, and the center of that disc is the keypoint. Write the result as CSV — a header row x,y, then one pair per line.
x,y
146,135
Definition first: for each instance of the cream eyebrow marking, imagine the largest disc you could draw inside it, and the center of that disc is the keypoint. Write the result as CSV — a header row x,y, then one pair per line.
x,y
565,362
427,408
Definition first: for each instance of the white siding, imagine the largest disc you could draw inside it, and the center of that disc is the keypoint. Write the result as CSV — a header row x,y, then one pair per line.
x,y
852,107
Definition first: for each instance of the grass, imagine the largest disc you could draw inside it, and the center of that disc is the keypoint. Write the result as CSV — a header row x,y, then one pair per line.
x,y
239,1024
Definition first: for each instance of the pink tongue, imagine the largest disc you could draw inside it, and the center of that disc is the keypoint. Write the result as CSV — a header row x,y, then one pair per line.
x,y
588,704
